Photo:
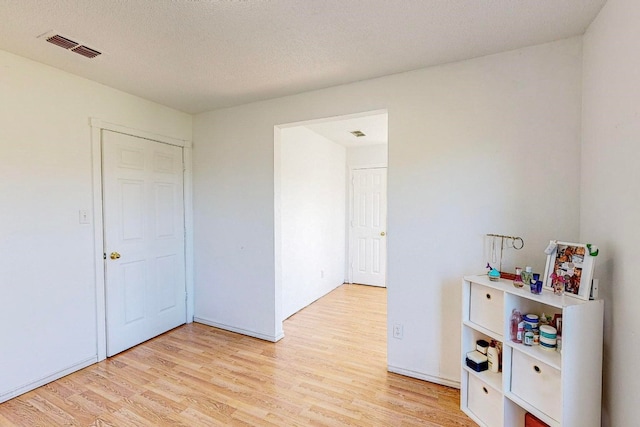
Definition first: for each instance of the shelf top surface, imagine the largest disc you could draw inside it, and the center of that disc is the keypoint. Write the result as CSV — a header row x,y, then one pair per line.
x,y
546,297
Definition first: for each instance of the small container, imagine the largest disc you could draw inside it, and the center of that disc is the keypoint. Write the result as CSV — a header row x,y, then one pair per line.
x,y
536,337
538,286
482,346
527,275
548,339
517,282
550,347
531,320
549,342
543,319
531,421
477,361
547,331
493,358
558,286
528,336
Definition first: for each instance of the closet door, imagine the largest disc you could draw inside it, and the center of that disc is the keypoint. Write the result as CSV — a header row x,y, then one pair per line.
x,y
144,239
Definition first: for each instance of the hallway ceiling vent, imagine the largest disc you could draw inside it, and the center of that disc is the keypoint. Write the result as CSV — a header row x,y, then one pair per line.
x,y
357,133
62,41
86,51
76,47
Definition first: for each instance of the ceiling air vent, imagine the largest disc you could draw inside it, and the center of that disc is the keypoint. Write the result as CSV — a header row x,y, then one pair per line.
x,y
86,51
62,41
68,44
357,133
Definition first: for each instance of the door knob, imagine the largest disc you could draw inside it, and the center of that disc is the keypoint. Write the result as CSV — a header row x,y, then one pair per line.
x,y
382,233
115,255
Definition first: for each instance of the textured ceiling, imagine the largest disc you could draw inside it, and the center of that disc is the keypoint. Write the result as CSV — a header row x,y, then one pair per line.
x,y
200,55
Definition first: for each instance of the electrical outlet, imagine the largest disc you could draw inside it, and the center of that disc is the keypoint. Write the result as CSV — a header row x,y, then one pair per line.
x,y
322,274
397,331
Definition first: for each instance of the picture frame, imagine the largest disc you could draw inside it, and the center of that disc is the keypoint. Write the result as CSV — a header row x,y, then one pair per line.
x,y
569,269
557,323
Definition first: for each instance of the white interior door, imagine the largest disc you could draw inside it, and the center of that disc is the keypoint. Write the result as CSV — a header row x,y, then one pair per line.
x,y
368,242
144,239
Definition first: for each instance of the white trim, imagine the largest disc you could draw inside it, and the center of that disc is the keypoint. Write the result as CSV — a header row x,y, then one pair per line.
x,y
333,118
371,166
188,226
247,332
277,230
98,242
97,126
49,378
139,133
419,375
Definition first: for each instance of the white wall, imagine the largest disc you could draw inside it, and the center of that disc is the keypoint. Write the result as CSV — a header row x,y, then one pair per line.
x,y
47,288
312,217
489,145
369,155
610,205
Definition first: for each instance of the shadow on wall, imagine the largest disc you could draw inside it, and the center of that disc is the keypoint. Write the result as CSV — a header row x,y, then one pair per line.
x,y
605,272
450,303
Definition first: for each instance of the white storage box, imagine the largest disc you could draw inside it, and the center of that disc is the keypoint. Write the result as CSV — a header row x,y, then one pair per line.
x,y
485,402
487,308
536,383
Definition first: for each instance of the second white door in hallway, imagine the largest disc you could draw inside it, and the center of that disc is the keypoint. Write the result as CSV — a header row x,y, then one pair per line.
x,y
368,242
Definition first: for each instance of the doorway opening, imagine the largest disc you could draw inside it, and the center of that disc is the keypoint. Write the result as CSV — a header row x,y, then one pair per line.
x,y
321,206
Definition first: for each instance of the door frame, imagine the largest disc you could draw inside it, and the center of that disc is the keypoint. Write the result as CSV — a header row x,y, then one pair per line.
x,y
350,243
97,126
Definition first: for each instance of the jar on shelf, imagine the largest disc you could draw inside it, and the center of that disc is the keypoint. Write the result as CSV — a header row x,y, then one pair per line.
x,y
528,335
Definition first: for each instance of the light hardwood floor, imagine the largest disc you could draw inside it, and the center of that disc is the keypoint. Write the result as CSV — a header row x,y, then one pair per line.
x,y
329,370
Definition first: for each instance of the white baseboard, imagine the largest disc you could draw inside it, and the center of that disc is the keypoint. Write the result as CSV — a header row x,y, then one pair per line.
x,y
272,338
4,396
425,377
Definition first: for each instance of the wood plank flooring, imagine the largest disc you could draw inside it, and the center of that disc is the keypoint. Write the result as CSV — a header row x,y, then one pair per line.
x,y
329,370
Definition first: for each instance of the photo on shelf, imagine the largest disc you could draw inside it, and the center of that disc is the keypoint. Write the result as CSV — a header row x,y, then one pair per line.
x,y
557,323
569,269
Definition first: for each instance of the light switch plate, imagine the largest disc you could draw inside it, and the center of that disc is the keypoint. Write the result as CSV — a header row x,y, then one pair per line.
x,y
84,216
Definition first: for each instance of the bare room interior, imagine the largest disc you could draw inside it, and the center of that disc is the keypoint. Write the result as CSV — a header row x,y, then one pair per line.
x,y
281,212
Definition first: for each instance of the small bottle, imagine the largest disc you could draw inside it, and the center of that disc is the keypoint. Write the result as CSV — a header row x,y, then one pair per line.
x,y
516,318
528,335
492,357
558,288
517,281
543,320
557,283
520,334
527,275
